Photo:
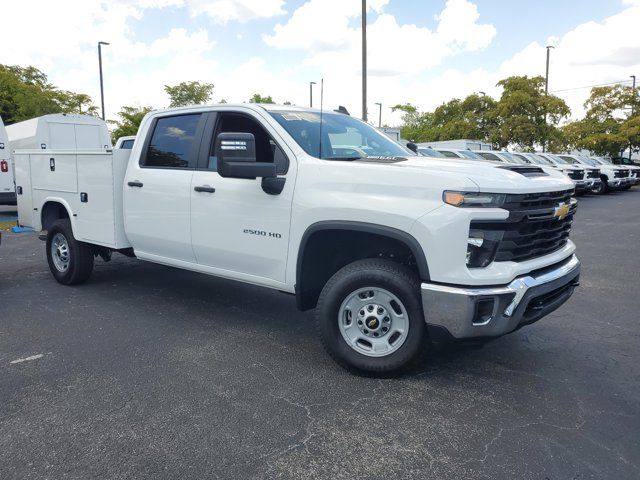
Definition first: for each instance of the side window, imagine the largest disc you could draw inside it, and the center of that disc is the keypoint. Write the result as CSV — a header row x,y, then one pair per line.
x,y
267,150
172,142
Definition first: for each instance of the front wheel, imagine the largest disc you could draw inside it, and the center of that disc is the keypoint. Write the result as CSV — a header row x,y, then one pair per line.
x,y
369,316
601,188
70,261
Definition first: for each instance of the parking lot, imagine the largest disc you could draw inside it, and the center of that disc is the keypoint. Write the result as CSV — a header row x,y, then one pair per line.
x,y
152,372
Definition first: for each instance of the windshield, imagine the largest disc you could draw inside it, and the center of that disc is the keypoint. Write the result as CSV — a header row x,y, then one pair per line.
x,y
469,154
601,161
569,160
343,137
490,156
594,162
521,158
429,152
539,159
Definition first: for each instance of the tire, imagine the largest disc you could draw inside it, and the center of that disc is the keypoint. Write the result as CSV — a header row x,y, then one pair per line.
x,y
63,249
603,188
348,294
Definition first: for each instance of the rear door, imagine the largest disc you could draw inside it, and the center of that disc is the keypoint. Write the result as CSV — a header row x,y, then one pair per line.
x,y
157,189
236,226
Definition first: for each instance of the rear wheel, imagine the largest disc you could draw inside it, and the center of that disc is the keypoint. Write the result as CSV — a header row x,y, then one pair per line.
x,y
70,261
370,317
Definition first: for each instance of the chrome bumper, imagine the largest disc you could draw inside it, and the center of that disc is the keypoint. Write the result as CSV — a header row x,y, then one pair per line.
x,y
495,311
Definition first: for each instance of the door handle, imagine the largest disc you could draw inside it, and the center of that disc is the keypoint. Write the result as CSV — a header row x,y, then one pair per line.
x,y
205,189
135,184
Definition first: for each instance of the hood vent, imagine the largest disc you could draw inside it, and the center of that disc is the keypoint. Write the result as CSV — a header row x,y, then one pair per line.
x,y
526,170
382,159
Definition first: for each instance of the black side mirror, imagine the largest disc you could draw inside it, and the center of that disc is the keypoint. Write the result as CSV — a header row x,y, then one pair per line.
x,y
236,153
413,147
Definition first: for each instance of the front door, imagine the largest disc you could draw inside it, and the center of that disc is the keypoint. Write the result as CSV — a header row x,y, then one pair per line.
x,y
157,190
236,226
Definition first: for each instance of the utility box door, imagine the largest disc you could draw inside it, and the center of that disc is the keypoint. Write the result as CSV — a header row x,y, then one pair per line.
x,y
23,185
53,171
96,216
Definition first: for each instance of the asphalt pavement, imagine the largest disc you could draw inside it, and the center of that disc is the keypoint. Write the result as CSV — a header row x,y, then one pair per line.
x,y
149,372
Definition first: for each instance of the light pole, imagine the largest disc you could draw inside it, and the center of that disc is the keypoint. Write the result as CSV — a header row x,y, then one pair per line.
x,y
364,60
101,80
546,92
311,84
546,81
633,102
379,115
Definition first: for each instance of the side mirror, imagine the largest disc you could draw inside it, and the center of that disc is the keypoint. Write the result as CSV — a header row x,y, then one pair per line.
x,y
236,153
413,147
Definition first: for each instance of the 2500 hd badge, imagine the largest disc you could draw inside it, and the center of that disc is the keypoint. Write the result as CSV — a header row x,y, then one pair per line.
x,y
262,233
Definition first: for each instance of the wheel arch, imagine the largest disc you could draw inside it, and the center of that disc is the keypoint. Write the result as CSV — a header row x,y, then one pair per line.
x,y
308,285
54,209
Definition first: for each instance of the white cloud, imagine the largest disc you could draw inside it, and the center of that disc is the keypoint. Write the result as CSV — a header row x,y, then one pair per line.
x,y
223,11
396,52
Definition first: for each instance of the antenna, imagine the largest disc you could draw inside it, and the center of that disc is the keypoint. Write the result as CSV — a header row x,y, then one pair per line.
x,y
321,111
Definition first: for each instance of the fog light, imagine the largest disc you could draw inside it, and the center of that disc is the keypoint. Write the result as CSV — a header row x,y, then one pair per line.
x,y
482,247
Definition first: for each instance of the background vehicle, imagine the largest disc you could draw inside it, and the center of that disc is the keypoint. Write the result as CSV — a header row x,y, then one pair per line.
x,y
454,153
634,170
429,152
7,185
125,143
611,176
584,179
391,250
461,144
624,161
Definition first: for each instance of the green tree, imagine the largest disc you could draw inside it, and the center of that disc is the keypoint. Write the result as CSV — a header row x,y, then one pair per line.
x,y
609,126
417,126
189,93
26,93
524,115
257,98
130,119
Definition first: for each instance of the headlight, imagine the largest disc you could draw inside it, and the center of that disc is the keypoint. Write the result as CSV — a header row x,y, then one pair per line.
x,y
485,200
482,246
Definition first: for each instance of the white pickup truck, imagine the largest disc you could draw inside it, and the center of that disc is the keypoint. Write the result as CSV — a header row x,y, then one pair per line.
x,y
392,250
7,185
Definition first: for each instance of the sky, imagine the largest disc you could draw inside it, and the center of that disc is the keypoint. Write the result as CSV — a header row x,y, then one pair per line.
x,y
425,52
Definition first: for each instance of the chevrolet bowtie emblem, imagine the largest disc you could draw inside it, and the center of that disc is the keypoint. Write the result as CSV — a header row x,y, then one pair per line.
x,y
561,211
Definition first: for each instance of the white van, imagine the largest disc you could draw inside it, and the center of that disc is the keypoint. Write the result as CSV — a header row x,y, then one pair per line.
x,y
7,184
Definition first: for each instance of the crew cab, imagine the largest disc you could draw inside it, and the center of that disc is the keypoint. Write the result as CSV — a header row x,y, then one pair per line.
x,y
393,251
7,185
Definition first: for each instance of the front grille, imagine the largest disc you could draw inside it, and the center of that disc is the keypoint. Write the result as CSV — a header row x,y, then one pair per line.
x,y
532,229
621,173
576,174
593,174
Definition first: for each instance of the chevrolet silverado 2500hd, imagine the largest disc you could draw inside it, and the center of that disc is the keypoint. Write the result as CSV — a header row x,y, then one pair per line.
x,y
392,250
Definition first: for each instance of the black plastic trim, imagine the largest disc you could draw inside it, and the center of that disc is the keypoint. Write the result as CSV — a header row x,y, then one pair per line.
x,y
382,230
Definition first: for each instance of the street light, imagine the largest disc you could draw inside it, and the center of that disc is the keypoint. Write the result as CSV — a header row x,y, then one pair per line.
x,y
633,103
484,94
546,81
311,84
546,91
379,115
364,60
101,80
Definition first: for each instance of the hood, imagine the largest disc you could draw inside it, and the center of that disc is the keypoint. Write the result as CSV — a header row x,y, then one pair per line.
x,y
488,176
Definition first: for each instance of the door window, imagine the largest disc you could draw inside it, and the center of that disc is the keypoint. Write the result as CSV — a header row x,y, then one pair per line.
x,y
267,150
172,143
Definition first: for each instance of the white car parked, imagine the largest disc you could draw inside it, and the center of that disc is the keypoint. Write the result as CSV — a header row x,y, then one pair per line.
x,y
613,177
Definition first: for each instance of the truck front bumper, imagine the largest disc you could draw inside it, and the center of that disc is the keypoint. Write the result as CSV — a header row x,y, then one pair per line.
x,y
464,313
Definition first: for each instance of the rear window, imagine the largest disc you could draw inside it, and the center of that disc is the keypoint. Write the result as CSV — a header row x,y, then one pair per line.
x,y
172,142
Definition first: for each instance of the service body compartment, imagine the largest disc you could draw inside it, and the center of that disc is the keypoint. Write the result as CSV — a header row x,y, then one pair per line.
x,y
89,185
